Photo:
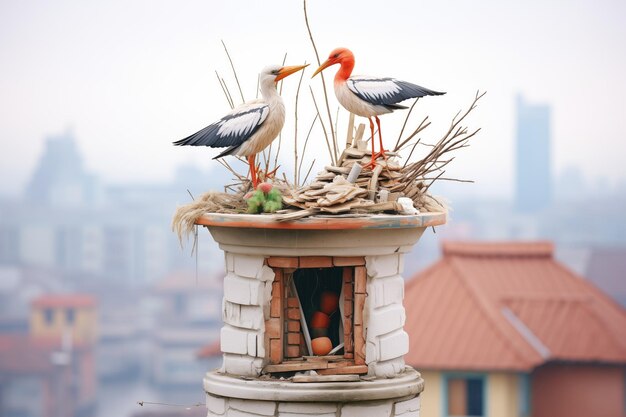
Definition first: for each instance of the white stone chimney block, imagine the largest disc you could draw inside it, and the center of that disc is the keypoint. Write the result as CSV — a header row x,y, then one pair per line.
x,y
393,345
385,320
264,408
233,340
248,265
367,408
408,406
383,265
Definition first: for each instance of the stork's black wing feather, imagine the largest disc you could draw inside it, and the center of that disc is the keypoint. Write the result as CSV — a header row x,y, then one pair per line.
x,y
386,91
231,130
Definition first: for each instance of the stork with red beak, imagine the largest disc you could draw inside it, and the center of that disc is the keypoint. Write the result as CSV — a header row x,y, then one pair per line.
x,y
370,96
250,127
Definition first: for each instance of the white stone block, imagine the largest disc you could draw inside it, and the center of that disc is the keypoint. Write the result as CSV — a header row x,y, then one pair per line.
x,y
237,289
307,408
386,369
385,320
264,408
376,293
382,265
236,413
393,345
233,340
249,317
400,263
243,291
371,352
216,405
255,345
394,290
266,274
247,265
367,408
230,261
385,291
409,414
407,406
285,414
242,365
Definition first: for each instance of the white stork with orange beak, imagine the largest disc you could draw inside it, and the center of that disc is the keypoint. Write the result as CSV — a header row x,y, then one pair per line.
x,y
250,127
369,96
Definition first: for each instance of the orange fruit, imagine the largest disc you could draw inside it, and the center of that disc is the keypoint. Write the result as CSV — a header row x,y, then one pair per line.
x,y
321,346
329,301
320,320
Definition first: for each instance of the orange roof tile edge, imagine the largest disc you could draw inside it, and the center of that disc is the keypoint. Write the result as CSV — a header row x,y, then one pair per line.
x,y
495,249
64,300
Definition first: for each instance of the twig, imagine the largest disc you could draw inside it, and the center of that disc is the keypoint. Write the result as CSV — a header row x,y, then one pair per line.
x,y
295,133
308,172
332,159
406,119
219,80
234,72
317,56
306,141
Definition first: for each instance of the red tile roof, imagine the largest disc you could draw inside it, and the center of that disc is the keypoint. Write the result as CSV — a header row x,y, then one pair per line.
x,y
64,300
509,306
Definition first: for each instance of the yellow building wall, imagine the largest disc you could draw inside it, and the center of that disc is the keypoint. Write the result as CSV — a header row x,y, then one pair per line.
x,y
431,397
502,394
84,327
502,397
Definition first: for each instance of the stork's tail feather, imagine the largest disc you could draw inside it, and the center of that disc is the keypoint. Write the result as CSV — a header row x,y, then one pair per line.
x,y
228,151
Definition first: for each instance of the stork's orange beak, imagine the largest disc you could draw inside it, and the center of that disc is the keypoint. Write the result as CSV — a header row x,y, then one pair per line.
x,y
286,71
325,65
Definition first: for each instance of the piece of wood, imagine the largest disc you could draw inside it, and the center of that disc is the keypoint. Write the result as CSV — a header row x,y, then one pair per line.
x,y
360,280
276,351
359,304
316,261
350,131
348,261
282,262
359,345
294,366
323,358
340,364
348,291
325,378
355,369
273,328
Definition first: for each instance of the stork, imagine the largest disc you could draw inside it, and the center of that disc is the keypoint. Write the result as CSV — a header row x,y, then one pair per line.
x,y
370,96
250,127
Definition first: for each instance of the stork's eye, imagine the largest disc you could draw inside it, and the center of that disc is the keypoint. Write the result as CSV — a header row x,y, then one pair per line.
x,y
275,72
336,56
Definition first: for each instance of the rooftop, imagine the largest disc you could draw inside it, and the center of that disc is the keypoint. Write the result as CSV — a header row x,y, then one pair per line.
x,y
64,300
510,306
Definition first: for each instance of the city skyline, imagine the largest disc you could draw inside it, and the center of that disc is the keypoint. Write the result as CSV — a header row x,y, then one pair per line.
x,y
129,87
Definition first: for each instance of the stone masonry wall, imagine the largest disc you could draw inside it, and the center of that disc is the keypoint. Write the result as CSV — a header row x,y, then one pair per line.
x,y
231,407
384,316
247,291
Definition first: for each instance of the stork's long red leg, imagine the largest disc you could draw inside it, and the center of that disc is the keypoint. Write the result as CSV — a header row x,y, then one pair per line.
x,y
380,137
252,171
373,162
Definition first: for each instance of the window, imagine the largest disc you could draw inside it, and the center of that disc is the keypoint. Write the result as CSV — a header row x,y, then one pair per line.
x,y
465,395
70,315
316,315
48,315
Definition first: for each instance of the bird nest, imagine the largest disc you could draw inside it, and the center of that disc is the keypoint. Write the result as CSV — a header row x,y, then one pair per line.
x,y
349,186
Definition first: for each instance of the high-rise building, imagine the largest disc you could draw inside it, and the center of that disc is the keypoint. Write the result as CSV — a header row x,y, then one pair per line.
x,y
533,179
60,178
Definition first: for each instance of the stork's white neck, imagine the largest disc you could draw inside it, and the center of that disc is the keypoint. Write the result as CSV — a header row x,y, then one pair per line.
x,y
268,90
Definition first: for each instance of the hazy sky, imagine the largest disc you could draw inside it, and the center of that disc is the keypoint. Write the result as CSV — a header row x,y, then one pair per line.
x,y
129,77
